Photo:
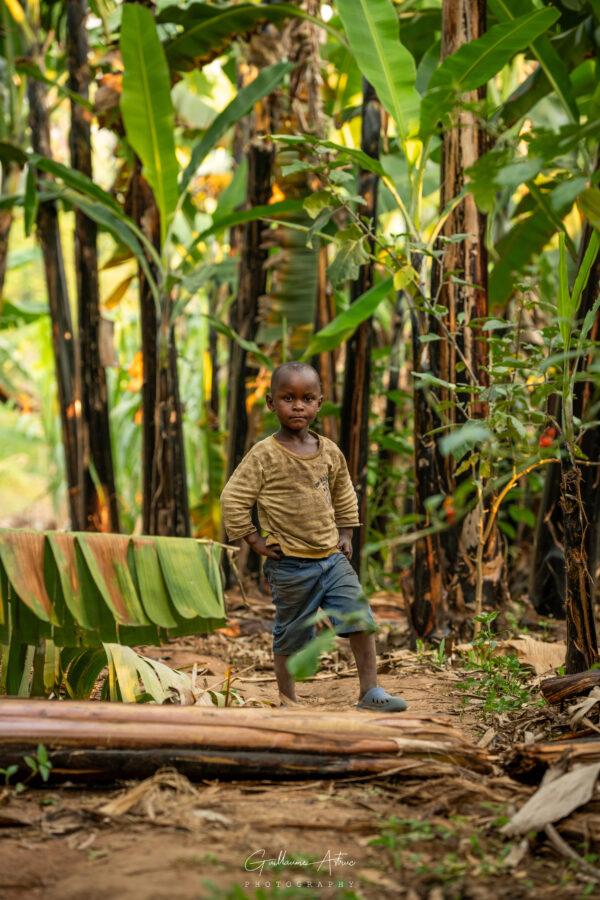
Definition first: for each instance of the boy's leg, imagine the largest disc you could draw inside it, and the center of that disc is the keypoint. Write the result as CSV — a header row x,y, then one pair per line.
x,y
363,648
285,681
343,595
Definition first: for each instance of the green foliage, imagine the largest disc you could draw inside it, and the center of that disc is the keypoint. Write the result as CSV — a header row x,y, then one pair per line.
x,y
475,63
206,30
500,681
346,323
265,83
86,590
147,107
372,29
38,764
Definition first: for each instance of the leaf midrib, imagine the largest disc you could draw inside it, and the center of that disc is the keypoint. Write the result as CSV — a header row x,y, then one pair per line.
x,y
155,151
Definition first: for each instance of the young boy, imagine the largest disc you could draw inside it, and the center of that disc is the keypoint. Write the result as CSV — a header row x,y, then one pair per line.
x,y
307,507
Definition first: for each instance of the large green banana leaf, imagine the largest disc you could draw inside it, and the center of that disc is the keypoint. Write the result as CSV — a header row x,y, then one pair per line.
x,y
206,30
551,63
475,63
345,324
264,83
147,107
373,32
82,589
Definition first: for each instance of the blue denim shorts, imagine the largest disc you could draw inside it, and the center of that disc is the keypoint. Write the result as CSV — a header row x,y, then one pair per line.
x,y
299,587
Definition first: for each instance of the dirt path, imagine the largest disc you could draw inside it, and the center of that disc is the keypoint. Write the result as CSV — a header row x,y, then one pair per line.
x,y
434,839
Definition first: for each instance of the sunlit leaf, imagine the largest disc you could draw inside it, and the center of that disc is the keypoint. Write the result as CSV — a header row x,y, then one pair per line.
x,y
373,31
474,63
147,107
345,324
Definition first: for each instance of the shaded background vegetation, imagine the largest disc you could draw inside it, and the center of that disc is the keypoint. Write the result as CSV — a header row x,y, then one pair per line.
x,y
401,231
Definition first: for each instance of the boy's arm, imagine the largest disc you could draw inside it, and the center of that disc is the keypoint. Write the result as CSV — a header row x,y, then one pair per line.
x,y
237,500
345,505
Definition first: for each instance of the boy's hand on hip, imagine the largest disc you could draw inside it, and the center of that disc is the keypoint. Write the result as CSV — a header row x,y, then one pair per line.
x,y
259,545
345,542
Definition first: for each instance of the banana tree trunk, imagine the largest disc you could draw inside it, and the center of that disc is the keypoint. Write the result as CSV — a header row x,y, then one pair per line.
x,y
354,428
462,22
385,484
10,180
244,313
100,503
63,342
582,644
325,363
165,506
548,577
580,502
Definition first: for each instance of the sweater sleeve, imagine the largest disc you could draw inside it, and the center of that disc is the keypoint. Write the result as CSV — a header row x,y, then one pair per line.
x,y
239,496
343,496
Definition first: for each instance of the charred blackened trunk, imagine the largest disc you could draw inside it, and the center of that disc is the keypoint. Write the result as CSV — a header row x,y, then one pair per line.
x,y
585,408
169,508
325,363
462,22
547,589
164,484
429,609
63,342
99,503
354,429
142,208
582,645
245,311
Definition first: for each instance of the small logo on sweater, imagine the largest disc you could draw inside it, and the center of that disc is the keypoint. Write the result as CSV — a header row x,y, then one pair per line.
x,y
323,485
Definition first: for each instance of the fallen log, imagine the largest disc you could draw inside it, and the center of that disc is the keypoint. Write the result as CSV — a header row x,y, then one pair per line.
x,y
529,761
563,687
99,741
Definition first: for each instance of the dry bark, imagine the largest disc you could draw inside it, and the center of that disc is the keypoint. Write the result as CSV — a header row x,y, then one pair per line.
x,y
222,741
462,22
354,424
63,341
563,687
100,507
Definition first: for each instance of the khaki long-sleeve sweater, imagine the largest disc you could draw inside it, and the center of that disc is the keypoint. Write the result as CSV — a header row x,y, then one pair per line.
x,y
302,500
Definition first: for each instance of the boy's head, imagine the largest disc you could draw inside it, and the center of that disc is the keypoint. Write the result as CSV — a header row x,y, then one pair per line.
x,y
296,395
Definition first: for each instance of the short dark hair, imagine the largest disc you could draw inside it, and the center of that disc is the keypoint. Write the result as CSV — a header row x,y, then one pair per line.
x,y
286,367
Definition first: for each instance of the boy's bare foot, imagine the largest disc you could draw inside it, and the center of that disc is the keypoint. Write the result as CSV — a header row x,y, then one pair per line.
x,y
285,681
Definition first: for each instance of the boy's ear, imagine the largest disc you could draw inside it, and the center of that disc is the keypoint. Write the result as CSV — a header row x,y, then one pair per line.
x,y
320,401
270,404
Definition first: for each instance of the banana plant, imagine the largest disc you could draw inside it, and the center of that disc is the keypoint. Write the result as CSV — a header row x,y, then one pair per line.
x,y
79,592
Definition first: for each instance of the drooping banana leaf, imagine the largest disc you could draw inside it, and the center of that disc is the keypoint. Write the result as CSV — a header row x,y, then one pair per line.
x,y
84,589
264,83
206,30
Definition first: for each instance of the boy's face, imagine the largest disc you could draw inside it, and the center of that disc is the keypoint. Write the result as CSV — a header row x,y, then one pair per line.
x,y
296,399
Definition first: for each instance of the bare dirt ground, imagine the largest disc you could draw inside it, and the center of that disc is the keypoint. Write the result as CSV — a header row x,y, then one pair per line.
x,y
375,837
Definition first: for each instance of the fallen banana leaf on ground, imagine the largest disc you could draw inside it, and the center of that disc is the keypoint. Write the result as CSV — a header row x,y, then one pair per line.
x,y
556,798
96,740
